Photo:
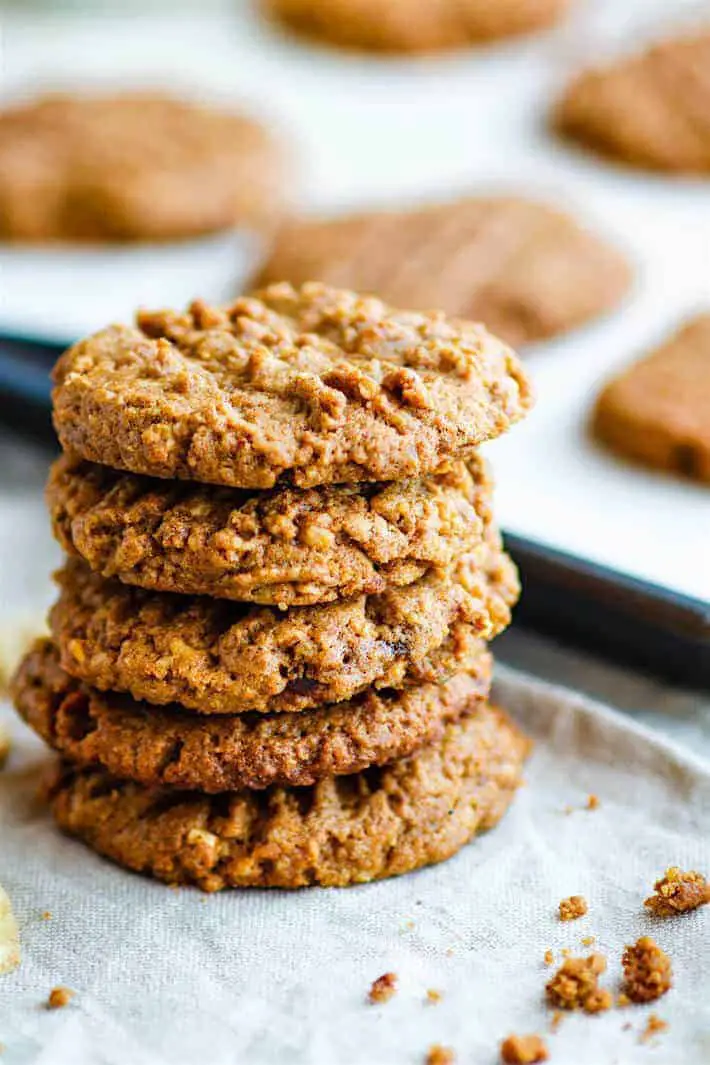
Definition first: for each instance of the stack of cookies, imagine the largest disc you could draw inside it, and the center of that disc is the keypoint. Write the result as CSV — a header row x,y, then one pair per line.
x,y
268,661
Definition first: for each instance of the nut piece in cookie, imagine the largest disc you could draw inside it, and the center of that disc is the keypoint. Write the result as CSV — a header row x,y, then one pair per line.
x,y
309,385
677,892
9,936
648,973
658,410
132,167
524,268
343,830
413,25
648,110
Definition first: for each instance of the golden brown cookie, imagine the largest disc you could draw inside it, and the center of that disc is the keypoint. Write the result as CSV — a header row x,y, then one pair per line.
x,y
343,830
135,166
223,658
658,410
309,386
413,25
137,741
285,547
650,110
524,269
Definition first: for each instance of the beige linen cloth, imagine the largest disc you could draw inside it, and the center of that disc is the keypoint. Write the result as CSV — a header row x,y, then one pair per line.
x,y
274,978
169,977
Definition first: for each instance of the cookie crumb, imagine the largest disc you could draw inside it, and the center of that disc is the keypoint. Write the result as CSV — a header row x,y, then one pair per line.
x,y
438,1055
59,997
622,1000
549,957
654,1025
588,940
647,971
575,985
523,1050
556,1020
383,988
678,892
592,802
573,907
46,915
566,952
433,996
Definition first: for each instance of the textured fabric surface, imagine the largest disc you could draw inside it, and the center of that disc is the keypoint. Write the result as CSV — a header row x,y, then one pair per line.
x,y
270,977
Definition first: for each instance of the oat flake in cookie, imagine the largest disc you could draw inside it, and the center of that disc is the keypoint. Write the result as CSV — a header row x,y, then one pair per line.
x,y
224,658
413,25
525,269
170,747
133,167
309,386
343,830
287,547
650,110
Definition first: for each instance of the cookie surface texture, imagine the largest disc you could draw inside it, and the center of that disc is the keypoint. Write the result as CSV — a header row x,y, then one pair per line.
x,y
155,747
309,386
343,830
287,547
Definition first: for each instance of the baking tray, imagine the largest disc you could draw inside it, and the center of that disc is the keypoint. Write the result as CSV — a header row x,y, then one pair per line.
x,y
612,555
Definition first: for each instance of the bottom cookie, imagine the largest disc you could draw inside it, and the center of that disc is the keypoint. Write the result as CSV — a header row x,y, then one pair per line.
x,y
344,830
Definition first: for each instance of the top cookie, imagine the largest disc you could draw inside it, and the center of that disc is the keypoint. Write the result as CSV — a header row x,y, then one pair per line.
x,y
657,411
413,25
135,166
651,110
309,386
524,269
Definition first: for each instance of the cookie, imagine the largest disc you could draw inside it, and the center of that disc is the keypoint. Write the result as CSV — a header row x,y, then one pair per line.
x,y
223,658
342,830
287,547
131,167
412,25
649,110
154,747
523,268
309,386
658,410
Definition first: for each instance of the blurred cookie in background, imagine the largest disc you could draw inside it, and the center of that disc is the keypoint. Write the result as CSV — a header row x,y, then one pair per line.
x,y
413,25
132,167
526,270
650,110
658,410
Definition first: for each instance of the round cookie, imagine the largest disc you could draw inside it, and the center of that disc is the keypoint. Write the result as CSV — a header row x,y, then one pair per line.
x,y
657,411
222,658
343,830
309,386
136,741
525,269
131,167
413,25
288,547
649,110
